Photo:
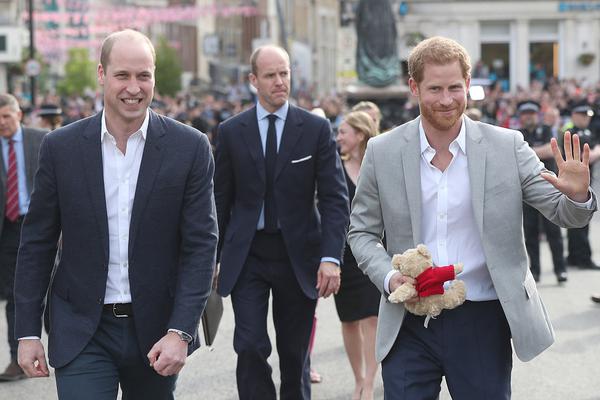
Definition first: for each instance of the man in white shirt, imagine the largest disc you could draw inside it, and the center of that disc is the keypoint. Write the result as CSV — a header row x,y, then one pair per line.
x,y
131,193
457,186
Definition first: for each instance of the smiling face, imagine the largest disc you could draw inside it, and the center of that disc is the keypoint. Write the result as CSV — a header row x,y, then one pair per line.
x,y
271,78
442,95
128,81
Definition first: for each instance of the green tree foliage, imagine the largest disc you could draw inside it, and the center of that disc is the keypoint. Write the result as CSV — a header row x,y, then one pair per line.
x,y
168,69
80,73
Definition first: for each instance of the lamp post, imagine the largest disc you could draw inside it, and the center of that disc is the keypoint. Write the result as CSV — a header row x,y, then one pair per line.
x,y
282,29
31,53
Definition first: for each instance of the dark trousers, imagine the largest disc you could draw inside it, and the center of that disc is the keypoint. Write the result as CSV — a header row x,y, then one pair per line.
x,y
469,345
112,357
268,271
580,252
9,245
532,220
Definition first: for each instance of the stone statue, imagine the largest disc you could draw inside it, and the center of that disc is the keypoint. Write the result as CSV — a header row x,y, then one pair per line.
x,y
377,61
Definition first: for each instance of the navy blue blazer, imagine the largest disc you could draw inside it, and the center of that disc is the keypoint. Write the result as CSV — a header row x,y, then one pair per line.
x,y
172,237
307,163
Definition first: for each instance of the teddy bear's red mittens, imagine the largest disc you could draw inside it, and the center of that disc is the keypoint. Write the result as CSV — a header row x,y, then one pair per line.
x,y
431,281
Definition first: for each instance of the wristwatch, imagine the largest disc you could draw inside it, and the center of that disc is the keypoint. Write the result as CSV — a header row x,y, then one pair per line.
x,y
182,335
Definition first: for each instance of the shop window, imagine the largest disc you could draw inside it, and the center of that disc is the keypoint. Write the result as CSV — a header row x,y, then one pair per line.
x,y
543,61
495,63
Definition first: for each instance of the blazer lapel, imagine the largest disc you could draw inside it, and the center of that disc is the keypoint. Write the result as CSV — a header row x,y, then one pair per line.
x,y
411,166
151,160
290,136
91,155
251,135
476,154
30,159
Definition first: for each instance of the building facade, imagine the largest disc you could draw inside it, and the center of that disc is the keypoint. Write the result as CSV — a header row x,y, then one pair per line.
x,y
512,41
12,39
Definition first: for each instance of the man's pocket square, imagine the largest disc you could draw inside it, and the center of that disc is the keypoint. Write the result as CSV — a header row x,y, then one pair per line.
x,y
301,159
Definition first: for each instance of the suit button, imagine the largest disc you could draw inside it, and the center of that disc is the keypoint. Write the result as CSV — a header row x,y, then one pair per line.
x,y
100,300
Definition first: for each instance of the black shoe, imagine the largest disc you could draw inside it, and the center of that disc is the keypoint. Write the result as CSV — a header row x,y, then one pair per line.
x,y
596,298
589,265
561,277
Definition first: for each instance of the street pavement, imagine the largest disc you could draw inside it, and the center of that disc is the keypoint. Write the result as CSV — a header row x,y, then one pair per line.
x,y
569,370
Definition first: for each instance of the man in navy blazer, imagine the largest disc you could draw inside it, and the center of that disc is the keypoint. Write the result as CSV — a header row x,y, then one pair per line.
x,y
26,147
132,194
275,239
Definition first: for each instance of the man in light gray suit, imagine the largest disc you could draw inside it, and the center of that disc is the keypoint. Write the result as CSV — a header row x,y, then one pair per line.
x,y
457,186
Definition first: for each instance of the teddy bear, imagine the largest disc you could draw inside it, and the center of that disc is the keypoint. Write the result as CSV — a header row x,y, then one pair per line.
x,y
431,296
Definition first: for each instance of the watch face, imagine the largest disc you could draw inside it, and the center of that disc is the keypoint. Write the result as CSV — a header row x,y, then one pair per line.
x,y
185,337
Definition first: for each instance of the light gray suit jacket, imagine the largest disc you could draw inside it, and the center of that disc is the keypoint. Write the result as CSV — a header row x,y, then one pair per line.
x,y
503,172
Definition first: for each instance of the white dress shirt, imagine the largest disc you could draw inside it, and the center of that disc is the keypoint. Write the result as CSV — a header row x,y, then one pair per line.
x,y
120,180
448,226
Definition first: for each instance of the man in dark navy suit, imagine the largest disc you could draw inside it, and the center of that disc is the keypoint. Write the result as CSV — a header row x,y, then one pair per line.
x,y
274,238
132,194
19,156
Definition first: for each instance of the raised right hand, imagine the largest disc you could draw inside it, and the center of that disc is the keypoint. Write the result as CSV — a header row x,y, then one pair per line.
x,y
32,359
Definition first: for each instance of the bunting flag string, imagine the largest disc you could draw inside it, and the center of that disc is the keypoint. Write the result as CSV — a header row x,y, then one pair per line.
x,y
73,23
146,14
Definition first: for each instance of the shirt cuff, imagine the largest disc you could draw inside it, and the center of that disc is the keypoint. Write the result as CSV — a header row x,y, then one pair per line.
x,y
386,281
28,338
183,335
331,260
587,205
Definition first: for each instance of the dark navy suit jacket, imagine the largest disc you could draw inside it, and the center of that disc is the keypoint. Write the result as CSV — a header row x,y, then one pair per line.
x,y
32,138
172,237
307,161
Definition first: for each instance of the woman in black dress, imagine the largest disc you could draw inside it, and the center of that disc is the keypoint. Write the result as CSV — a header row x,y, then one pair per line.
x,y
357,301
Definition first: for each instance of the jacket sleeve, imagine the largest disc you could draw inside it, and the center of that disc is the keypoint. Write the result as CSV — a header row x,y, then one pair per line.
x,y
332,195
199,235
39,238
366,225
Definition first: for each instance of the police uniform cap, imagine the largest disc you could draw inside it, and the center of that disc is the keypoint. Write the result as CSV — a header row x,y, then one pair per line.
x,y
49,110
528,106
583,107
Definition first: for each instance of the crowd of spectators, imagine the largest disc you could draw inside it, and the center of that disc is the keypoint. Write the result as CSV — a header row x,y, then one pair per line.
x,y
206,111
556,99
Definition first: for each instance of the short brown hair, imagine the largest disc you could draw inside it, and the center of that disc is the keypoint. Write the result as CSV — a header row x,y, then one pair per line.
x,y
111,39
437,50
9,100
256,53
362,122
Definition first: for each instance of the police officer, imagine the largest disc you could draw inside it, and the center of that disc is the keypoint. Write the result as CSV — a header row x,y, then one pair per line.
x,y
580,252
538,136
50,116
